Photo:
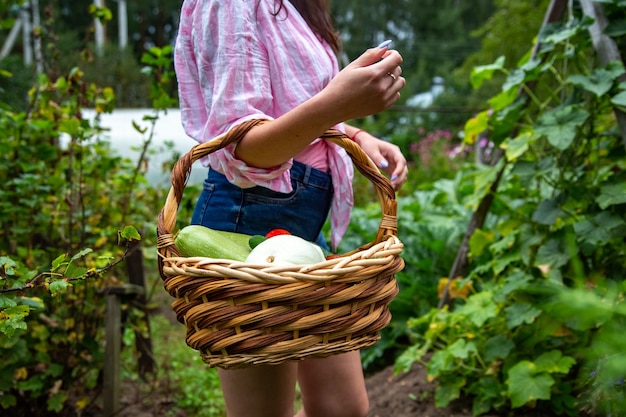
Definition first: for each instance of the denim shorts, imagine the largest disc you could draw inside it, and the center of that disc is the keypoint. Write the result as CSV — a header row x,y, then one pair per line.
x,y
257,210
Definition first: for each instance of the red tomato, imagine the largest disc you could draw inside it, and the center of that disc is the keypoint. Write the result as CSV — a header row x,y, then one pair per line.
x,y
276,232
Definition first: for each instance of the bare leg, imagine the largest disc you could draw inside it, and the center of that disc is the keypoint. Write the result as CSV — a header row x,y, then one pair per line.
x,y
333,386
263,391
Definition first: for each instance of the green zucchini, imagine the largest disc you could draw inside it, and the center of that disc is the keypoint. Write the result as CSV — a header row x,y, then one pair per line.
x,y
196,240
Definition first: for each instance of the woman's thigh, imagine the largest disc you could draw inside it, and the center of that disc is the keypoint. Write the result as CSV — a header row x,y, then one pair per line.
x,y
260,391
333,386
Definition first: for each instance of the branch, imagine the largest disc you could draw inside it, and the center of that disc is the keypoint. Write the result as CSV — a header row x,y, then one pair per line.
x,y
40,279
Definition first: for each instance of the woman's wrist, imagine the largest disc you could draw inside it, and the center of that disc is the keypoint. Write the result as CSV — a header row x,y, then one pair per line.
x,y
357,133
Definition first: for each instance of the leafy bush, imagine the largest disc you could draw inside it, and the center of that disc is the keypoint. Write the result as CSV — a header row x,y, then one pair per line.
x,y
547,267
65,191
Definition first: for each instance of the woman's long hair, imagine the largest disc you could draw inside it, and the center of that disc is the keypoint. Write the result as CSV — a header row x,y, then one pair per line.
x,y
317,16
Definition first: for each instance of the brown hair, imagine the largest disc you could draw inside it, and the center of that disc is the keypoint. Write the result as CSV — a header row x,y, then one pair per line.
x,y
317,16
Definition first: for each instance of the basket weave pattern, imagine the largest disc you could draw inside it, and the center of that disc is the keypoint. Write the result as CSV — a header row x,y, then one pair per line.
x,y
239,314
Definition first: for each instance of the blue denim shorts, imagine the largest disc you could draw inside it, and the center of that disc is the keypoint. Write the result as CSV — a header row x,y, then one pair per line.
x,y
257,210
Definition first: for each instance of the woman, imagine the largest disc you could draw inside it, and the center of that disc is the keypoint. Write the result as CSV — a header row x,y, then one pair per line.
x,y
239,60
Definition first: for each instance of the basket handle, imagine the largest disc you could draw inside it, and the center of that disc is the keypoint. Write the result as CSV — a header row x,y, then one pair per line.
x,y
182,170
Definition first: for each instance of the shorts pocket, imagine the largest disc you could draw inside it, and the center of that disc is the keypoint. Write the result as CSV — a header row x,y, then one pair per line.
x,y
202,210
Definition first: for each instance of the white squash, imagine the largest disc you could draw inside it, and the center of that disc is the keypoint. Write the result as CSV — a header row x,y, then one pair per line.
x,y
286,250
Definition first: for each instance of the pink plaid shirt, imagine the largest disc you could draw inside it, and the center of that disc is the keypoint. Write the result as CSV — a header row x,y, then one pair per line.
x,y
235,62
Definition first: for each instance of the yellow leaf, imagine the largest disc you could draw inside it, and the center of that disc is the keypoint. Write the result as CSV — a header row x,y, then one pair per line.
x,y
102,240
20,373
561,331
69,322
82,402
475,126
454,291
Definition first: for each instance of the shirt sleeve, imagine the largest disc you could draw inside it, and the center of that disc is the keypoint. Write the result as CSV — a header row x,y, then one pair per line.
x,y
224,79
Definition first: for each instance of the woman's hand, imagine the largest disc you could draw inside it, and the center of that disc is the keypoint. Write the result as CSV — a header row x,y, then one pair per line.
x,y
368,85
386,156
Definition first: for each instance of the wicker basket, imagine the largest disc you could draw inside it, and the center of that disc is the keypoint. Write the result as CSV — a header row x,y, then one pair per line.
x,y
239,315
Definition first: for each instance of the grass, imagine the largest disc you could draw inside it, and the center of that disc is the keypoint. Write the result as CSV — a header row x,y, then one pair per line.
x,y
182,380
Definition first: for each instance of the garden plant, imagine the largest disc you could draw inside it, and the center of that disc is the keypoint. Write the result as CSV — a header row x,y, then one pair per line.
x,y
537,314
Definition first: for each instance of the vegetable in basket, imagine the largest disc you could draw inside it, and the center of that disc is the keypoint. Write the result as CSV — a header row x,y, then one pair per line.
x,y
286,250
196,240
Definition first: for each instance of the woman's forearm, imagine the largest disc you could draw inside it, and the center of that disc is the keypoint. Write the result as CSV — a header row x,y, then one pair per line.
x,y
272,144
364,87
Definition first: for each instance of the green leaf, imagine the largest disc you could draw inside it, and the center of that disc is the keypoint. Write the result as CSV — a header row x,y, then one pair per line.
x,y
479,308
568,304
7,400
548,212
502,262
56,401
461,349
34,303
6,302
560,125
58,285
8,265
516,147
554,362
488,391
70,126
59,261
562,35
520,313
82,253
485,72
439,363
409,356
503,99
498,346
504,121
12,319
130,233
448,391
525,385
483,181
598,230
612,194
553,253
75,271
618,28
619,99
515,280
527,72
600,81
503,245
479,241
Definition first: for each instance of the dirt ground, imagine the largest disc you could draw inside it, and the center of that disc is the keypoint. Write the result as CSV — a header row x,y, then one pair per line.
x,y
406,394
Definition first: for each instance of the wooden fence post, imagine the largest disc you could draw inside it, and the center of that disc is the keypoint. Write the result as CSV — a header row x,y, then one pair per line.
x,y
113,345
